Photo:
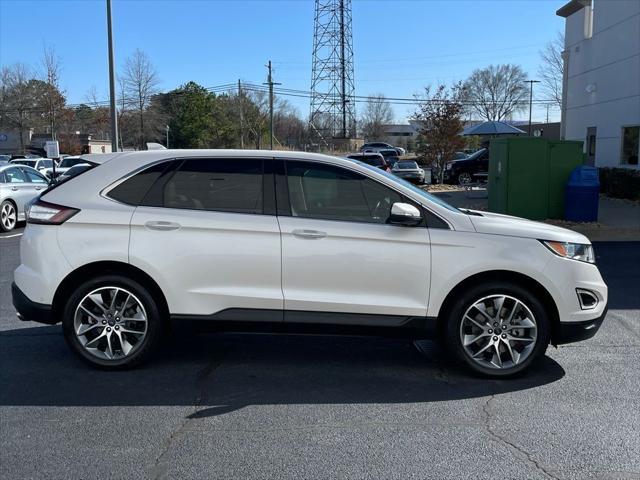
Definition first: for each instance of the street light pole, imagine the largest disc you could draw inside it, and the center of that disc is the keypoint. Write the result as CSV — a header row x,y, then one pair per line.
x,y
112,84
531,82
167,128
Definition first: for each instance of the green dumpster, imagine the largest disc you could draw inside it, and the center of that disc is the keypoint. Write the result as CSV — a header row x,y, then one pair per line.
x,y
527,175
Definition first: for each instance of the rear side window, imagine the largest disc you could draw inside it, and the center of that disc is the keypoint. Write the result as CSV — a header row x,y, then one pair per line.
x,y
15,175
34,177
133,190
212,184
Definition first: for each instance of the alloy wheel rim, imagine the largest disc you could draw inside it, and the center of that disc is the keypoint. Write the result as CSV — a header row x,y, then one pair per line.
x,y
498,332
464,178
8,216
110,323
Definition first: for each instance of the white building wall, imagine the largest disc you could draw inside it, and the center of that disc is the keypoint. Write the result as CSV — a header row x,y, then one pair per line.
x,y
603,84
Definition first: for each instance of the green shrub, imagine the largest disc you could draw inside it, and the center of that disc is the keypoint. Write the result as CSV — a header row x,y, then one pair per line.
x,y
620,183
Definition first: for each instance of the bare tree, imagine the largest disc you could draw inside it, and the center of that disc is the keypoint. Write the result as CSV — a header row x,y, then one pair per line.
x,y
440,116
18,102
496,92
140,84
99,119
552,68
53,98
377,113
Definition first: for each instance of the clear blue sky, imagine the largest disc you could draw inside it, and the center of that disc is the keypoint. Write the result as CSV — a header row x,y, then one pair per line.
x,y
400,45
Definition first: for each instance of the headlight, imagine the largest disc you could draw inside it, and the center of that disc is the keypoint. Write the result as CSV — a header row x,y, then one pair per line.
x,y
448,166
574,251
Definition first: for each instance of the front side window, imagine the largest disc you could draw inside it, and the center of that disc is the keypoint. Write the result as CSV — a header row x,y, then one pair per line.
x,y
630,145
332,193
213,184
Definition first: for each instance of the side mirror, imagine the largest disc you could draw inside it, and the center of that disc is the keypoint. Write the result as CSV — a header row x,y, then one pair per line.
x,y
404,214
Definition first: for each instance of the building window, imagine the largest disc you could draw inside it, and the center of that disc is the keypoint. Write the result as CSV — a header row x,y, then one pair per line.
x,y
591,146
588,20
630,145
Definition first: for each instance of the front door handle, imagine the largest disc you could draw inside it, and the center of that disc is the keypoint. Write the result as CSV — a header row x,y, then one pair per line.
x,y
304,233
162,225
38,188
14,189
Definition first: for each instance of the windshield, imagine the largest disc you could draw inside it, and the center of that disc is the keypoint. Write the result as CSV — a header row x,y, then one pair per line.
x,y
423,193
477,154
46,163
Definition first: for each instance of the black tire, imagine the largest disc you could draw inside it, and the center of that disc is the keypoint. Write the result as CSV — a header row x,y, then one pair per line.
x,y
12,206
154,330
468,297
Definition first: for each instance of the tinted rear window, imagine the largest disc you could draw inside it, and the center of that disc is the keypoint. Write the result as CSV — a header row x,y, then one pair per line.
x,y
133,190
214,184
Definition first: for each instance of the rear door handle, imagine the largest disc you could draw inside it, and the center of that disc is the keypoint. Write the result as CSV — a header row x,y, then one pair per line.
x,y
38,188
303,233
162,225
14,189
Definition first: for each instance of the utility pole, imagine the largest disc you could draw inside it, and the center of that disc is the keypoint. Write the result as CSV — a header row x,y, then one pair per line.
x,y
547,113
241,119
343,73
112,84
531,82
271,83
167,128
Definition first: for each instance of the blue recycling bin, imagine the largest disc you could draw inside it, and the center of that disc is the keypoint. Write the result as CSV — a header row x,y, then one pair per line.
x,y
581,195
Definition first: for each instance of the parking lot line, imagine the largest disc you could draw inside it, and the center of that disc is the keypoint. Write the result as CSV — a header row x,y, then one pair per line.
x,y
11,236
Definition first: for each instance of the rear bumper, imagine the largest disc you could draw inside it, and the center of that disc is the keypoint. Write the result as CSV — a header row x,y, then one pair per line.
x,y
569,332
28,310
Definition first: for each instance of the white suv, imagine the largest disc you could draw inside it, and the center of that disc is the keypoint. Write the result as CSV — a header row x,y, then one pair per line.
x,y
294,242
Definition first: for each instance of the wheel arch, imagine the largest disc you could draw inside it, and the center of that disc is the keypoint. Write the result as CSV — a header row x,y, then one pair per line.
x,y
92,270
502,275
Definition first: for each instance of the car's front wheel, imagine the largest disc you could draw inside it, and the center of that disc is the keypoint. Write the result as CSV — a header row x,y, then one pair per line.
x,y
498,329
112,322
464,178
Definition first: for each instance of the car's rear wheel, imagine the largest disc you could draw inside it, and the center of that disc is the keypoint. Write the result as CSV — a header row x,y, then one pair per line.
x,y
8,216
498,329
112,322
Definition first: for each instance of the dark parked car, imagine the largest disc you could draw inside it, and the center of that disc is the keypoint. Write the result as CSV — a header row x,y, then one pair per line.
x,y
462,171
373,159
378,146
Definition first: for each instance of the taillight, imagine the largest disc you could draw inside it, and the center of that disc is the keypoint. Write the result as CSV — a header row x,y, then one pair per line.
x,y
46,213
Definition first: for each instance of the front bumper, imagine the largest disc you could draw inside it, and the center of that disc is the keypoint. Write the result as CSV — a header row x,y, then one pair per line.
x,y
569,332
28,310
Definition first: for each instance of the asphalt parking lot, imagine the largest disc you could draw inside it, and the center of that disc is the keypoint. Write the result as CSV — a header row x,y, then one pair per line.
x,y
262,406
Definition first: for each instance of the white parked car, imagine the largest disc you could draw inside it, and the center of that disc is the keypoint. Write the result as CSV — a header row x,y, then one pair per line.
x,y
292,241
19,184
65,164
39,164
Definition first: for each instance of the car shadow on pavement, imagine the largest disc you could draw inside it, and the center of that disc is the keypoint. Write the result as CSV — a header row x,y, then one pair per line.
x,y
220,373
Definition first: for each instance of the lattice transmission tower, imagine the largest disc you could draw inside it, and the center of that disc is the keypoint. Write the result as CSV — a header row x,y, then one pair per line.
x,y
333,109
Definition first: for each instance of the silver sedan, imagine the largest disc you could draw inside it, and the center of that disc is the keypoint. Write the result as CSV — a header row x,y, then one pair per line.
x,y
19,184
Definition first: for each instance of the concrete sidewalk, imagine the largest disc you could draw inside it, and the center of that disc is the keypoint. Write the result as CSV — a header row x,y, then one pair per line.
x,y
618,220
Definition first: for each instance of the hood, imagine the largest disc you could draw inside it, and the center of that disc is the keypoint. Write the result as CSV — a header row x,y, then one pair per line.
x,y
497,224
